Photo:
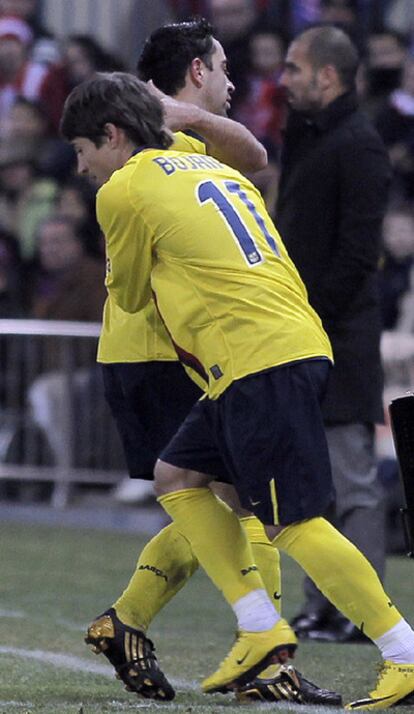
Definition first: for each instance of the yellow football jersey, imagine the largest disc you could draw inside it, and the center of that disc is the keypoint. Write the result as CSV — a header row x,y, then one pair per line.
x,y
140,337
195,234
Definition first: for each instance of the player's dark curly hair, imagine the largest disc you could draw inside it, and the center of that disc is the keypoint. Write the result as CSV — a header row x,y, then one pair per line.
x,y
169,51
114,98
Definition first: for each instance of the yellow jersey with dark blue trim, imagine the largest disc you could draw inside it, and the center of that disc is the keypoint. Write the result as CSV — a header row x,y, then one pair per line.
x,y
140,337
195,235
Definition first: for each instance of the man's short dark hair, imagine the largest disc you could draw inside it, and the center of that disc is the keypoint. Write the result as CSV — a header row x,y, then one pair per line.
x,y
169,51
118,98
327,44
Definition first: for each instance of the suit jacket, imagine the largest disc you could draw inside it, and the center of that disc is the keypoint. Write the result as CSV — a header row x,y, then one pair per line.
x,y
332,198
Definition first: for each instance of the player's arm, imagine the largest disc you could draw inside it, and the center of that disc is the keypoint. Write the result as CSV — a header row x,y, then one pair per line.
x,y
128,250
226,140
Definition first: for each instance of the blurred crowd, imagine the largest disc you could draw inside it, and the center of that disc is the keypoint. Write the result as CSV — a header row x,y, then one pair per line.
x,y
47,219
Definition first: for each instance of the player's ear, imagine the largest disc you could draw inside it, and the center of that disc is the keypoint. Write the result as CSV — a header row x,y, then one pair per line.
x,y
196,72
113,134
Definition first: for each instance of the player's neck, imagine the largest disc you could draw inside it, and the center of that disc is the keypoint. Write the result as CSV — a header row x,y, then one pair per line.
x,y
191,96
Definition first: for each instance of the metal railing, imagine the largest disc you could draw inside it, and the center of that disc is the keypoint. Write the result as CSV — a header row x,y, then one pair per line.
x,y
54,422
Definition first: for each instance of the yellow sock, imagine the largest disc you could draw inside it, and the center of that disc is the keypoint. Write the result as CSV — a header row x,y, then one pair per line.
x,y
342,573
267,558
217,539
163,568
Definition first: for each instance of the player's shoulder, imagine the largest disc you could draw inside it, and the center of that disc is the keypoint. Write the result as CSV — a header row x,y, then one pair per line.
x,y
118,184
359,131
189,141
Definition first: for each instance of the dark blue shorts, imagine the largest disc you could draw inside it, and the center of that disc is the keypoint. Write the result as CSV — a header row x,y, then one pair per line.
x,y
265,431
149,401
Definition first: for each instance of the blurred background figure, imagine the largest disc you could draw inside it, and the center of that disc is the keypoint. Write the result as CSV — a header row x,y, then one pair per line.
x,y
399,15
12,275
75,201
398,257
263,107
395,123
27,122
82,56
26,197
45,48
385,57
234,21
19,74
67,282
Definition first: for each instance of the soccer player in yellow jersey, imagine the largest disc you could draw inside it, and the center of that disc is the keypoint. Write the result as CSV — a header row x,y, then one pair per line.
x,y
195,234
146,386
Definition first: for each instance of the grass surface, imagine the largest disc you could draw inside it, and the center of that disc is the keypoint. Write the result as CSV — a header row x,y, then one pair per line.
x,y
54,581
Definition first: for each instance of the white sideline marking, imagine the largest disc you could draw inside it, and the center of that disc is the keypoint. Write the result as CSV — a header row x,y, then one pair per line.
x,y
81,665
12,613
60,660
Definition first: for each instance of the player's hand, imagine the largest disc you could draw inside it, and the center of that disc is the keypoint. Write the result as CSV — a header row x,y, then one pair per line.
x,y
177,115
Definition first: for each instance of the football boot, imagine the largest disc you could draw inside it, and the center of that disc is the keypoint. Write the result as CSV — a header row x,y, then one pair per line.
x,y
132,655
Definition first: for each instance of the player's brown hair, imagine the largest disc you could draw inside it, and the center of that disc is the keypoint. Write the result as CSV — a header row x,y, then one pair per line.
x,y
115,98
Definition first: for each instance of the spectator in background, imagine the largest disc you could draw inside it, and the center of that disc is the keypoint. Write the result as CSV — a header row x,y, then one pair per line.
x,y
12,298
395,123
19,75
234,21
45,48
399,16
398,233
344,14
67,284
386,54
76,201
263,107
25,197
82,57
28,122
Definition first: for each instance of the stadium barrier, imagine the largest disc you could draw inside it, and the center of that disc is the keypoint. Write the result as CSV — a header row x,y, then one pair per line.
x,y
54,423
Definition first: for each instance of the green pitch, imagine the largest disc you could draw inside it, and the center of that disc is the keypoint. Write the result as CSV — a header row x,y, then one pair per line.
x,y
54,581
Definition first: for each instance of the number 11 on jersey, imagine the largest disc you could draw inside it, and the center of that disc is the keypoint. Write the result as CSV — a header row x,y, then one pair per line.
x,y
209,191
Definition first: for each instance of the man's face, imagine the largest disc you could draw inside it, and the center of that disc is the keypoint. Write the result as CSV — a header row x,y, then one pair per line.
x,y
217,87
232,18
12,57
98,163
301,80
59,248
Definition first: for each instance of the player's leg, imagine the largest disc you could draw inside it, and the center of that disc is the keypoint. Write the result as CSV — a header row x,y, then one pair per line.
x,y
164,566
167,562
359,516
265,554
222,550
340,571
136,394
276,682
348,580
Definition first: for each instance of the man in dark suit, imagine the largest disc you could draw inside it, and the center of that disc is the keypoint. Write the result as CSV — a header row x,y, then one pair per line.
x,y
333,192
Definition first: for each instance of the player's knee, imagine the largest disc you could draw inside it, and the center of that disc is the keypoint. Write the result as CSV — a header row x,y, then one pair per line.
x,y
168,478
